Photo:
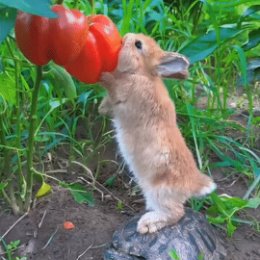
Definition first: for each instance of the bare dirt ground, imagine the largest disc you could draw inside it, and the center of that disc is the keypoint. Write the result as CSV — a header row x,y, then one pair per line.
x,y
93,229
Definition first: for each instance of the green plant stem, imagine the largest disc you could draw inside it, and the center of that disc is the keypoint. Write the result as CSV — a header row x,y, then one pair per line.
x,y
2,137
6,197
30,146
2,134
196,17
18,107
6,152
18,127
252,187
13,200
9,48
19,169
10,198
18,124
93,4
250,134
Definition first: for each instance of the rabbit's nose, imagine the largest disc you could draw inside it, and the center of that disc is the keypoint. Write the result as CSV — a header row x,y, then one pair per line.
x,y
125,41
127,37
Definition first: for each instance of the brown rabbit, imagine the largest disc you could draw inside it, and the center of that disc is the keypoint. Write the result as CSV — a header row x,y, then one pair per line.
x,y
147,133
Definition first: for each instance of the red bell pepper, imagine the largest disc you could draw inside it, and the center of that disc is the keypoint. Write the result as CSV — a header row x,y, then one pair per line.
x,y
41,39
100,53
85,46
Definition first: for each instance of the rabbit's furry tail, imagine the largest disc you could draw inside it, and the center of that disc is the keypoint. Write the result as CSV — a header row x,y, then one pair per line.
x,y
203,185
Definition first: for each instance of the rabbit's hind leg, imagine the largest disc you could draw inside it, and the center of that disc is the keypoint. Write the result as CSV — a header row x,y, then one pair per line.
x,y
151,222
165,208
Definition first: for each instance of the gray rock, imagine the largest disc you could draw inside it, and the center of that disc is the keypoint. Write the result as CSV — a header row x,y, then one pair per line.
x,y
192,238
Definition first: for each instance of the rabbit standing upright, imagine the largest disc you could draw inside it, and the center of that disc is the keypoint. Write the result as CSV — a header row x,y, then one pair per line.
x,y
147,133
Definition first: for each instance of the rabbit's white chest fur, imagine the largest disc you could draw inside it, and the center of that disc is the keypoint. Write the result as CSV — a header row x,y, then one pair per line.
x,y
127,155
142,152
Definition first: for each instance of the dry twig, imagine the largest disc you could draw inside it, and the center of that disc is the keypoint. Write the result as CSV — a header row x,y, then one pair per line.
x,y
50,239
42,219
94,185
89,248
15,223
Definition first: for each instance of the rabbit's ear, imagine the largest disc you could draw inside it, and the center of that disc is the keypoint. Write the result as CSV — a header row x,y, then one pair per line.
x,y
173,65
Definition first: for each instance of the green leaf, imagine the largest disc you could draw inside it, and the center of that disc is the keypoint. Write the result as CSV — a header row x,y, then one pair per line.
x,y
221,164
41,8
217,220
7,88
201,47
257,169
242,63
253,40
54,103
2,185
1,64
110,181
253,203
44,190
230,228
251,10
84,97
13,245
120,205
221,207
201,256
174,255
61,80
80,194
7,21
233,202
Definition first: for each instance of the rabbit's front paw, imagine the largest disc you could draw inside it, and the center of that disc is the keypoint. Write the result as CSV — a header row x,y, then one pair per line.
x,y
107,79
105,107
151,222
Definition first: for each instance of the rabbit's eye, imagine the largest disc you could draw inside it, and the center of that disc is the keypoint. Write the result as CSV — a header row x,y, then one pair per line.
x,y
138,44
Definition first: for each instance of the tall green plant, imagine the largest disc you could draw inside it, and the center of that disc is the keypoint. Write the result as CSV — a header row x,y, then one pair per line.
x,y
17,148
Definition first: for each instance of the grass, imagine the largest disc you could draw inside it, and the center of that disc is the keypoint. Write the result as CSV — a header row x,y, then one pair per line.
x,y
175,256
215,36
10,250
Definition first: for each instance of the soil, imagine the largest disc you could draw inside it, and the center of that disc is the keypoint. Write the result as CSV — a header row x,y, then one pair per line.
x,y
43,237
94,227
